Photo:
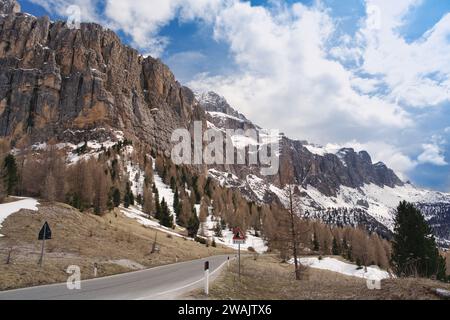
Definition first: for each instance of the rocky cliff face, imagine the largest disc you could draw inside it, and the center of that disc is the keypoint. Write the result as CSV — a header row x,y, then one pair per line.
x,y
339,187
53,78
9,6
326,171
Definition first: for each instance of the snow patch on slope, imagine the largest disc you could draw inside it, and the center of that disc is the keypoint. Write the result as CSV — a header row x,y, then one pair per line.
x,y
334,265
164,191
256,243
7,209
134,212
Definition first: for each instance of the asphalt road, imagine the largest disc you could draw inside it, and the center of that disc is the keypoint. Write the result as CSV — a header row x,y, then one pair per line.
x,y
161,283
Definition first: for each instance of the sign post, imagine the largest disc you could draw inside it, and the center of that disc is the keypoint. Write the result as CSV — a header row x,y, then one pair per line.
x,y
239,238
207,277
44,234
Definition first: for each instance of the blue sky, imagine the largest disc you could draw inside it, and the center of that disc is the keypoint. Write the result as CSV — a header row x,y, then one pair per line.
x,y
371,74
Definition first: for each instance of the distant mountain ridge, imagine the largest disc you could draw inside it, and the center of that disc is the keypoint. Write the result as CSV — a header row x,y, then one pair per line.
x,y
340,187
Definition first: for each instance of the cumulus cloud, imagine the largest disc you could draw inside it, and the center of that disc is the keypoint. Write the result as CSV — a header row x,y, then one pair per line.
x,y
286,79
141,20
416,74
434,151
432,154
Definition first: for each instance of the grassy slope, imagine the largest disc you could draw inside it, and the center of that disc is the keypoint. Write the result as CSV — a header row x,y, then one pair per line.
x,y
83,239
268,279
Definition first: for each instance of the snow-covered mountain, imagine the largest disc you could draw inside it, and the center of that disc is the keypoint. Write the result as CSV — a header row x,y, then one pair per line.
x,y
340,186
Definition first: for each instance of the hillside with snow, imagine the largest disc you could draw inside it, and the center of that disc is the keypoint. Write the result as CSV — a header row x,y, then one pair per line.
x,y
338,186
7,209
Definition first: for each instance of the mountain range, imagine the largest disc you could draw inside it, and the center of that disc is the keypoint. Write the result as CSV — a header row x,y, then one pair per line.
x,y
74,85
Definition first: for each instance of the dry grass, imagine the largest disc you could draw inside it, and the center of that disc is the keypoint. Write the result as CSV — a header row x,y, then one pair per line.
x,y
83,239
268,279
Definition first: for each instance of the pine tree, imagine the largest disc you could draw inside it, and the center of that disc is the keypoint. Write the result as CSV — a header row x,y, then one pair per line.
x,y
157,203
218,230
316,245
126,200
173,183
166,218
414,247
11,177
116,197
346,250
129,196
2,187
193,225
176,203
336,249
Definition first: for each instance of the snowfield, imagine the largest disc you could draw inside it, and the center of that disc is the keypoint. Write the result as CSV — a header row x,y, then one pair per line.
x,y
164,191
227,237
378,202
334,265
135,213
8,209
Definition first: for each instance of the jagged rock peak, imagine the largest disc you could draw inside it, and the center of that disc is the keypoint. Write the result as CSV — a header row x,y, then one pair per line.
x,y
9,7
212,102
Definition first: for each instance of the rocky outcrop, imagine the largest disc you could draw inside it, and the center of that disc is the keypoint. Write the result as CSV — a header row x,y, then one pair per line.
x,y
298,165
54,78
9,6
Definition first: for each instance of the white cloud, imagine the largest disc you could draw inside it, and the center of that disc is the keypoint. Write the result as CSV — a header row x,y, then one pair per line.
x,y
432,154
140,19
88,8
287,81
415,73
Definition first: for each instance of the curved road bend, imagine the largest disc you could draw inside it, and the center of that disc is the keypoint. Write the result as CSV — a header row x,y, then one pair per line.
x,y
165,282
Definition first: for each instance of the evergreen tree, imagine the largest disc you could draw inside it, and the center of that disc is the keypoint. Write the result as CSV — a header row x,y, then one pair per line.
x,y
2,189
11,177
316,245
218,230
335,248
414,247
166,218
346,250
139,200
223,224
116,197
129,195
173,183
157,203
193,225
176,203
126,200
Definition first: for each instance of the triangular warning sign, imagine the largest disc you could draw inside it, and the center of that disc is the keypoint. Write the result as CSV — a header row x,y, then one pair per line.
x,y
238,234
45,233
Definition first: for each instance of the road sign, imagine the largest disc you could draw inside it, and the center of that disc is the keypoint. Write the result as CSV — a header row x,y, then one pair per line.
x,y
239,236
45,233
